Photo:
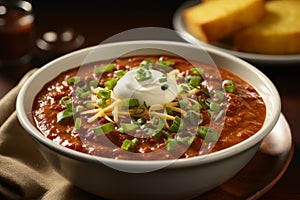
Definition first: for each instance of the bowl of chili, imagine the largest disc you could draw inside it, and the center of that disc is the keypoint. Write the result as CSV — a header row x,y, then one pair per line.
x,y
149,119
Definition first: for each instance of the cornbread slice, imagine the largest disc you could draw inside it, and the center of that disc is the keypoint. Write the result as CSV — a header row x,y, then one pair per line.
x,y
213,20
277,33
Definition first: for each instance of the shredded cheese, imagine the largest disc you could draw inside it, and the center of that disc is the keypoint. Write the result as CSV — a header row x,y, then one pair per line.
x,y
112,111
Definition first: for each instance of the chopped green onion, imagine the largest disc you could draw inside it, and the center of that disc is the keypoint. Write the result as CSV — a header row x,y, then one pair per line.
x,y
143,74
184,104
196,107
185,137
135,140
213,106
208,101
163,79
73,80
165,62
155,133
129,144
67,113
141,121
193,81
182,137
195,118
207,133
66,101
106,68
228,86
149,131
128,127
220,95
120,73
110,83
202,130
202,103
158,122
164,87
166,134
184,89
94,83
131,102
171,144
139,110
205,91
146,64
126,145
104,128
101,103
79,108
104,94
77,123
80,92
176,125
197,71
169,111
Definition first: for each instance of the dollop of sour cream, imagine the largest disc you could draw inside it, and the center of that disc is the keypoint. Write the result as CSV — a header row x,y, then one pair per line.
x,y
152,91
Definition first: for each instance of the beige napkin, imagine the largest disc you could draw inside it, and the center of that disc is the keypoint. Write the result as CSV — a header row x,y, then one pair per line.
x,y
24,174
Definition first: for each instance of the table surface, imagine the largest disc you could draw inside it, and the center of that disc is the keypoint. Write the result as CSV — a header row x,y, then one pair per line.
x,y
97,22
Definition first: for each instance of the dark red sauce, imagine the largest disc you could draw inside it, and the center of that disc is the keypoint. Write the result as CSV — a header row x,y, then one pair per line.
x,y
243,115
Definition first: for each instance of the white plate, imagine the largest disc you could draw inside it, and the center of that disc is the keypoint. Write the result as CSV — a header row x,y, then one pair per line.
x,y
274,60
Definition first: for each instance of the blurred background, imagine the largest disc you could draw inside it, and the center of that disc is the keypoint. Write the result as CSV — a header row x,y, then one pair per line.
x,y
98,20
84,23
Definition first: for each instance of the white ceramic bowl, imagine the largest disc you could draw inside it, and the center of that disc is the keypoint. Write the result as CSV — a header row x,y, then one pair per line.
x,y
178,179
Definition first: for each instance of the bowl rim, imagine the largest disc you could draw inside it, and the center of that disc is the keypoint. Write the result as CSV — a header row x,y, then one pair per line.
x,y
219,155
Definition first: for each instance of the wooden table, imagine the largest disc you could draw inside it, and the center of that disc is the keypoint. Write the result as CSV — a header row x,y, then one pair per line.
x,y
96,22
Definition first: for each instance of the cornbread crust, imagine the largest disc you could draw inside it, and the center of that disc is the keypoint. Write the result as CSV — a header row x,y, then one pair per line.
x,y
213,20
277,33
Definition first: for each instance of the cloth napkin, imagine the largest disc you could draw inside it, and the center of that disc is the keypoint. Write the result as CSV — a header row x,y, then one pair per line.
x,y
24,173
